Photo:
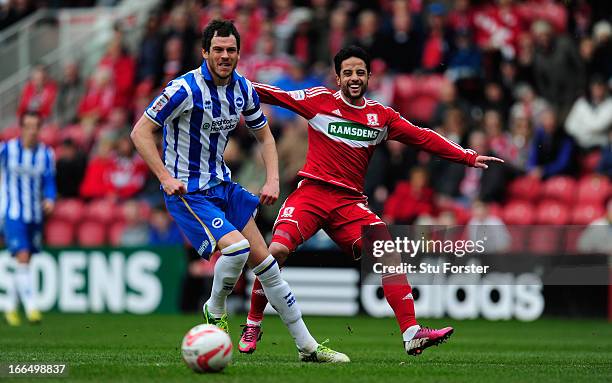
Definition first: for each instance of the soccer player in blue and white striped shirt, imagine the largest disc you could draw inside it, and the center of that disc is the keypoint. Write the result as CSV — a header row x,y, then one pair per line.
x,y
27,193
197,111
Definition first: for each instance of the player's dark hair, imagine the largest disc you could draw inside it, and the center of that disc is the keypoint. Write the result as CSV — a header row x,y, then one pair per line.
x,y
30,113
223,28
348,52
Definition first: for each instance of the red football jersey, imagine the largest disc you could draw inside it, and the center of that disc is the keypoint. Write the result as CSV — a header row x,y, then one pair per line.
x,y
342,137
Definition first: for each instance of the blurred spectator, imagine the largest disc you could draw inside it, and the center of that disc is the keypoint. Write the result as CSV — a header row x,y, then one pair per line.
x,y
602,56
580,21
381,85
336,37
150,51
521,132
38,94
485,225
528,104
495,99
498,26
461,17
366,33
410,199
98,100
605,163
96,182
302,43
128,171
267,65
123,69
437,44
163,231
402,46
14,10
558,69
285,19
249,28
171,64
552,151
465,60
115,171
590,119
596,237
181,26
448,99
135,232
70,92
70,167
476,184
498,139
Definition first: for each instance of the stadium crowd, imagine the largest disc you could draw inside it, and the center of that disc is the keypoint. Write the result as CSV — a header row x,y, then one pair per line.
x,y
528,81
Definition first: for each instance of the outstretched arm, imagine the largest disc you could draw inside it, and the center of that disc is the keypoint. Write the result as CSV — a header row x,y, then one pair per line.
x,y
298,101
270,191
405,132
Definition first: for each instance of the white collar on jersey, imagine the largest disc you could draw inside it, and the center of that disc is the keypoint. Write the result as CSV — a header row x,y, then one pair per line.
x,y
351,105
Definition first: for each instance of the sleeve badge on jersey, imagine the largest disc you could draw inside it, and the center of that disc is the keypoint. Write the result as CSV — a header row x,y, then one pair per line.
x,y
297,95
162,100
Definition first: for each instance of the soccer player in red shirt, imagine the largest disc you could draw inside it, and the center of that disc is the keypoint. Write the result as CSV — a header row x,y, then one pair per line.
x,y
344,128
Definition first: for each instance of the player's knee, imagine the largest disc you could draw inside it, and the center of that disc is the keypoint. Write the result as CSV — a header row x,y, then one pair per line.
x,y
22,256
238,251
279,251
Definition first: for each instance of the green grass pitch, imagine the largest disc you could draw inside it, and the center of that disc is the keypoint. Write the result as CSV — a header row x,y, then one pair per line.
x,y
127,348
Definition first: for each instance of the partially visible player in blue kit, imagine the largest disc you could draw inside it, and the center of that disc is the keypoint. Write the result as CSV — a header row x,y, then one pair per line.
x,y
27,194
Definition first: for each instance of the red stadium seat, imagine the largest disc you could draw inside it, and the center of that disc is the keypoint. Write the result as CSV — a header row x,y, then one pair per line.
x,y
552,213
101,210
545,239
583,214
91,233
9,132
560,188
71,210
525,188
593,189
50,135
59,233
518,213
143,207
416,96
115,233
76,133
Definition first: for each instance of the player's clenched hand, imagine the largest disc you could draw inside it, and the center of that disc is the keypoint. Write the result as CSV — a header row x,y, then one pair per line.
x,y
173,186
481,161
269,193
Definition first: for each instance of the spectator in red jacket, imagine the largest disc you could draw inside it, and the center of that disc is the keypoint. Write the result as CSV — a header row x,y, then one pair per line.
x,y
38,94
97,102
123,68
410,199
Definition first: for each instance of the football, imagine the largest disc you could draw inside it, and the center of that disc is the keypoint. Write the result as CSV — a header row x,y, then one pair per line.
x,y
207,348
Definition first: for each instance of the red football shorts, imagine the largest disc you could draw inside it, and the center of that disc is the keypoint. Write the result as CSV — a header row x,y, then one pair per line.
x,y
317,205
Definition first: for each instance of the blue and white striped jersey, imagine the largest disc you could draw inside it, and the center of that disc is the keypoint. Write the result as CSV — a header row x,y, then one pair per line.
x,y
197,117
27,176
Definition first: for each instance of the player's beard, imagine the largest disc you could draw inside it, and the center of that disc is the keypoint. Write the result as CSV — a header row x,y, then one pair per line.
x,y
346,91
216,69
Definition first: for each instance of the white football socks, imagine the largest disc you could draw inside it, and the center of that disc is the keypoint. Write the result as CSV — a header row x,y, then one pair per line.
x,y
23,283
281,298
227,271
11,287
